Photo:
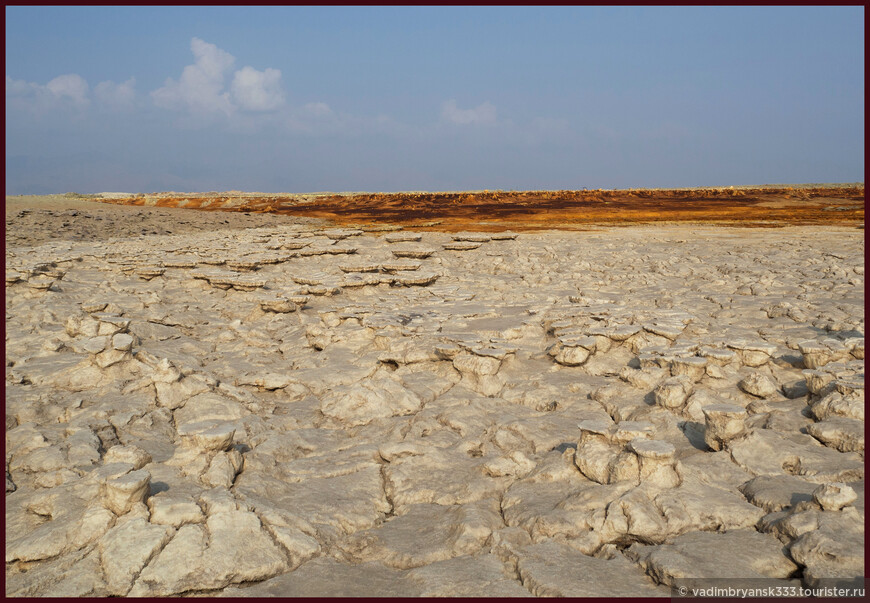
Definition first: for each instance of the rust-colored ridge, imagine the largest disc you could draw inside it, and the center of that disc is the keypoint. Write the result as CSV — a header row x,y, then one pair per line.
x,y
536,210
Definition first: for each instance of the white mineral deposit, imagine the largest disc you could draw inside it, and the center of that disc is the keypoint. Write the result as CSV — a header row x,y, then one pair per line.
x,y
252,406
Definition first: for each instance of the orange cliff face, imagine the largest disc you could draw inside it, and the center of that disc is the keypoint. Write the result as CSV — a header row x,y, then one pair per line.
x,y
538,210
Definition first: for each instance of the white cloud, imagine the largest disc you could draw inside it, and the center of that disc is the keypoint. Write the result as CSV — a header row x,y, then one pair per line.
x,y
116,95
484,113
316,118
318,109
257,90
20,87
70,86
65,91
199,89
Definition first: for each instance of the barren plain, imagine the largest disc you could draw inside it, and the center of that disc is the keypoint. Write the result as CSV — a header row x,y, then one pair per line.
x,y
574,393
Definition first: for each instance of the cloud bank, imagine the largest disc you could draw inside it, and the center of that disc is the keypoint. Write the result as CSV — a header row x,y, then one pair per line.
x,y
200,87
201,90
247,99
114,95
482,114
257,90
224,121
70,86
69,89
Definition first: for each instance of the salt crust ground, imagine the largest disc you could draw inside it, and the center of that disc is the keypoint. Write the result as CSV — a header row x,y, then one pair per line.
x,y
296,410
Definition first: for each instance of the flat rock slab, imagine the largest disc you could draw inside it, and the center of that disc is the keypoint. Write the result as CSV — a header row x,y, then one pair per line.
x,y
357,499
232,547
833,552
447,531
461,246
415,253
767,452
709,555
775,493
325,577
590,576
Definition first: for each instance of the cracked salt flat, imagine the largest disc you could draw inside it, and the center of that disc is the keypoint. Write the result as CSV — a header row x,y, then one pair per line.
x,y
648,404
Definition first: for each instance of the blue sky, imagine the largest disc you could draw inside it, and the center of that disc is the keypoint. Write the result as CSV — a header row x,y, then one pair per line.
x,y
300,99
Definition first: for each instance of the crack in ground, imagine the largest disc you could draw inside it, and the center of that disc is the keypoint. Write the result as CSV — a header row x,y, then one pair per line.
x,y
384,481
145,565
